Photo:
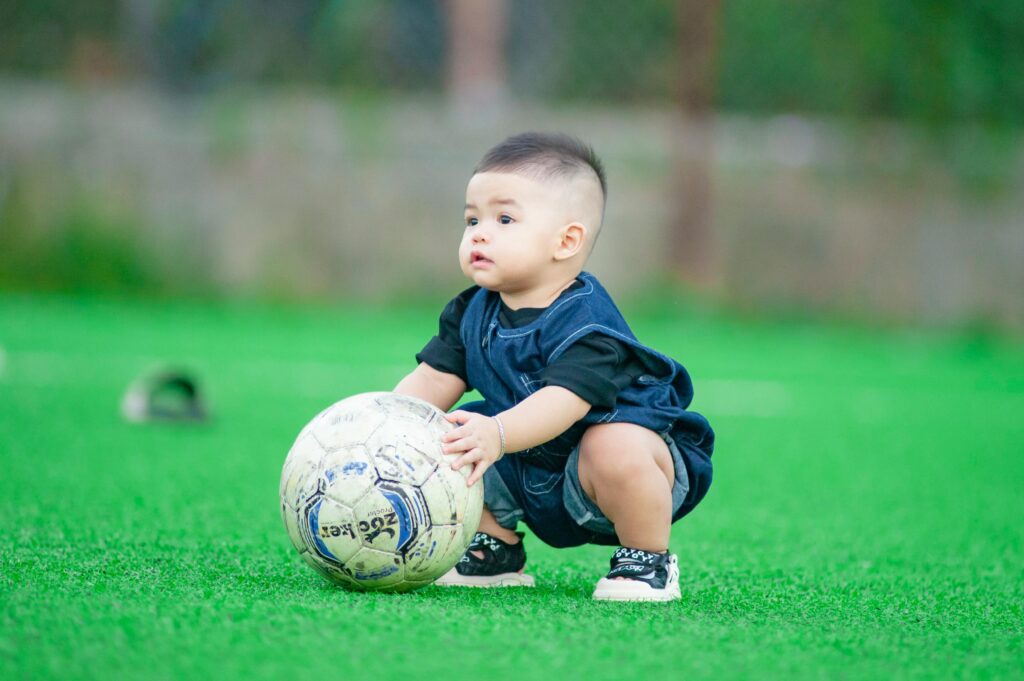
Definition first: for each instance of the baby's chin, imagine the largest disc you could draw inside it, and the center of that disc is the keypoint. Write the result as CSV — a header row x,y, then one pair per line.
x,y
488,282
483,279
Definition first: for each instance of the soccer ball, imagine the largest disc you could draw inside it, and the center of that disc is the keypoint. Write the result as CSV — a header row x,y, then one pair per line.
x,y
368,497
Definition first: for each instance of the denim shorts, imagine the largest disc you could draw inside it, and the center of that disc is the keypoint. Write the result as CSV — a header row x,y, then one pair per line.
x,y
553,504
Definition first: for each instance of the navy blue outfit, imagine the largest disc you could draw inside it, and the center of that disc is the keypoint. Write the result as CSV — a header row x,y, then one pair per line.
x,y
507,365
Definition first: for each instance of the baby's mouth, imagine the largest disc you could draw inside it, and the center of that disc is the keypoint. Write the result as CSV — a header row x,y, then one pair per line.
x,y
477,258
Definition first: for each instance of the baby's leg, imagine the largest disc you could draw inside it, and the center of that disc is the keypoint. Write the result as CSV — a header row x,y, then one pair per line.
x,y
490,525
495,560
627,471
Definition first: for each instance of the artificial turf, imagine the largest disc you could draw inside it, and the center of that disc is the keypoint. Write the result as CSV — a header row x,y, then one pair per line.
x,y
865,520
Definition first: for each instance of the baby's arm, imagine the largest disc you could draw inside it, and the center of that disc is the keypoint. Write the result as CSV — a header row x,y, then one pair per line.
x,y
542,416
439,388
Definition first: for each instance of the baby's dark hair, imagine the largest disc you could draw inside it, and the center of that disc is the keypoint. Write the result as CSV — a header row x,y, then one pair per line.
x,y
547,155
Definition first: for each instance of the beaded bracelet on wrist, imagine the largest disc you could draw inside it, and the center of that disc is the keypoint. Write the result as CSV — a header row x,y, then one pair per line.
x,y
501,435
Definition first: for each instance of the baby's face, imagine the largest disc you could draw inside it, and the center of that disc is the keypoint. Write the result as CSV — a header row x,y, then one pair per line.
x,y
512,230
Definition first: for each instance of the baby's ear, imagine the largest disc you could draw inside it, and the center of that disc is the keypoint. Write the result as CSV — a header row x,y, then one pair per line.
x,y
573,237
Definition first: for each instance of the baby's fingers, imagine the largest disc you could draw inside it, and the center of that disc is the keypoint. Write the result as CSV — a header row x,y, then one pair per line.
x,y
457,416
478,471
453,435
471,455
463,444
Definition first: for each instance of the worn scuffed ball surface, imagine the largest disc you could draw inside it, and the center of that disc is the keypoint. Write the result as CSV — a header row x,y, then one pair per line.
x,y
369,499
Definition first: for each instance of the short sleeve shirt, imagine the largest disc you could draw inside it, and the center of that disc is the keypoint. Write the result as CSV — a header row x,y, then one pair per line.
x,y
596,367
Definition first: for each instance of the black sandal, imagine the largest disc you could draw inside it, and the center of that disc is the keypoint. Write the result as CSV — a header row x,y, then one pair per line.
x,y
499,564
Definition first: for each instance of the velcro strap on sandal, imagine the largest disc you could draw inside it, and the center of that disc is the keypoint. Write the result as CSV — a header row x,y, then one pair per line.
x,y
627,562
484,542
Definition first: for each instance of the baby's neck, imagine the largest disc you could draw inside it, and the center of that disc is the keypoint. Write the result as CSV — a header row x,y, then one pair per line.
x,y
540,296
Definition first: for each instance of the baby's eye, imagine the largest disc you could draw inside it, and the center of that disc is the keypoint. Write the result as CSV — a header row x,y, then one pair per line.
x,y
505,219
471,222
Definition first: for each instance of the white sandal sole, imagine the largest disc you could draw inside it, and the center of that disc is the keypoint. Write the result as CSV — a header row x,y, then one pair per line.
x,y
453,578
632,590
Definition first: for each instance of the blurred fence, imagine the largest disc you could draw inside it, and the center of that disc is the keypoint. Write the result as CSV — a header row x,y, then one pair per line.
x,y
867,157
301,193
931,60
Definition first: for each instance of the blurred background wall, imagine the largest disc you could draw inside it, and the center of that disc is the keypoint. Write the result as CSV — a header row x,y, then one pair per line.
x,y
856,158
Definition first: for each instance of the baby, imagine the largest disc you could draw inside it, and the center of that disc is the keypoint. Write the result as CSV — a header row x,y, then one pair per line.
x,y
583,433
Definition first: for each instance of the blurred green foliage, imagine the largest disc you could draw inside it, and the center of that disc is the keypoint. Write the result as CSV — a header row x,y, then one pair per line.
x,y
92,253
933,60
91,248
930,60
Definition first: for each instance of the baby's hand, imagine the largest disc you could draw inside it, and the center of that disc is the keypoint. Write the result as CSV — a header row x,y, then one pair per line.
x,y
476,438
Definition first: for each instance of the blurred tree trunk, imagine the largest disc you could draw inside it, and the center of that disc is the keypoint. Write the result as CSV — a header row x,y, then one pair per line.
x,y
476,72
138,36
690,244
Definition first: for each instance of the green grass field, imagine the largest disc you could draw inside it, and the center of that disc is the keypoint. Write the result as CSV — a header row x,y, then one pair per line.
x,y
865,521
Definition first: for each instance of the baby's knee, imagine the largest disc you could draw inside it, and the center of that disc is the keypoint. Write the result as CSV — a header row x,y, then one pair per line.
x,y
610,464
622,451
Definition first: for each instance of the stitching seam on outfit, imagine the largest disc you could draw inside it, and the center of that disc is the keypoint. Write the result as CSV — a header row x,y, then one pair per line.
x,y
587,290
544,487
516,335
527,383
572,336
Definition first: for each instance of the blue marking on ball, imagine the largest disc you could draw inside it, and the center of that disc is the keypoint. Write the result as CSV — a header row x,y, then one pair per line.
x,y
379,573
314,527
354,468
405,520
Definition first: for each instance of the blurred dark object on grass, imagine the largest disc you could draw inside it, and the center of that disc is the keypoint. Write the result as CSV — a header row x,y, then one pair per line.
x,y
165,395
